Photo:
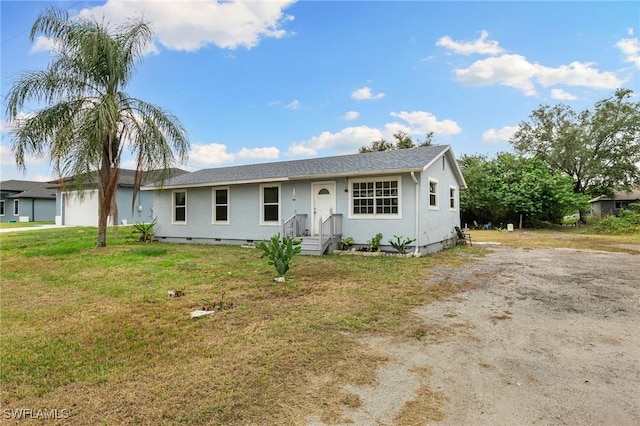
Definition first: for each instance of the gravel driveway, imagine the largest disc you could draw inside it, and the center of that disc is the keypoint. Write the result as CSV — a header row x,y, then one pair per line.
x,y
546,336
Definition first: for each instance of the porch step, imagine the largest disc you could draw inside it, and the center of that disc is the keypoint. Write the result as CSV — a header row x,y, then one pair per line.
x,y
310,245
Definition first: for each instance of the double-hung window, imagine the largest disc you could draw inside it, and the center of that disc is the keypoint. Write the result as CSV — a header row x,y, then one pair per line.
x,y
375,197
433,194
221,205
16,207
1,207
270,204
452,198
180,207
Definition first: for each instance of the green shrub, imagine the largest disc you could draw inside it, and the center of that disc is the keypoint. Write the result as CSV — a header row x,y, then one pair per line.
x,y
145,230
627,221
400,243
346,243
374,243
280,252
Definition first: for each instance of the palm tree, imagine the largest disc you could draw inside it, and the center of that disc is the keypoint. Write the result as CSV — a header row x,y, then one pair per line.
x,y
88,121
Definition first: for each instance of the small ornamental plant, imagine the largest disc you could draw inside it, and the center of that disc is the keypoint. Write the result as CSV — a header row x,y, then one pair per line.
x,y
280,252
145,230
374,243
401,244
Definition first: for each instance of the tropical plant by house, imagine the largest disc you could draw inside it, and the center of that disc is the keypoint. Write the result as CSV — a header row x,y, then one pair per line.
x,y
401,244
346,243
88,120
145,230
374,242
280,252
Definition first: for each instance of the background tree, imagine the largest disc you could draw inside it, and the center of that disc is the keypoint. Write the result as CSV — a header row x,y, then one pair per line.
x,y
509,188
88,120
480,201
599,150
377,145
403,141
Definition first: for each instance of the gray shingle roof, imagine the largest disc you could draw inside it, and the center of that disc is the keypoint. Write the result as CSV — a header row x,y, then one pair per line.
x,y
414,159
126,178
632,195
27,189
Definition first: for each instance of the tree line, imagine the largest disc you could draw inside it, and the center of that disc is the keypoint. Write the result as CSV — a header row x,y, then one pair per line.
x,y
561,158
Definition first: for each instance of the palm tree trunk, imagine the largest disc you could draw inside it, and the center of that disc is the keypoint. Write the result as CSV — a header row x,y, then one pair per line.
x,y
108,183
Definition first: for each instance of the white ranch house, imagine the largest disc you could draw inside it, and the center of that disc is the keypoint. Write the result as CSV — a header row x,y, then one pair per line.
x,y
409,192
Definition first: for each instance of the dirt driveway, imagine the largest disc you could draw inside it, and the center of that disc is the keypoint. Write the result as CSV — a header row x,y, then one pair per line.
x,y
545,336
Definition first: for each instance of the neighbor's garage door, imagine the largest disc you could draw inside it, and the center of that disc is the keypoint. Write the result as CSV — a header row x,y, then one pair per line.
x,y
81,212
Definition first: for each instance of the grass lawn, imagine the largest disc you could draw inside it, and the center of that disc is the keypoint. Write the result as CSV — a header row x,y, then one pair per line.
x,y
23,224
93,331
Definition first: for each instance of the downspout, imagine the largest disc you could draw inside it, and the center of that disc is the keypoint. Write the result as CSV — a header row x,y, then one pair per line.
x,y
413,176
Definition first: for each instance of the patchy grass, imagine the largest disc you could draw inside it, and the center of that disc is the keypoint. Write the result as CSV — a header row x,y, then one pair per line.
x,y
567,237
4,225
92,330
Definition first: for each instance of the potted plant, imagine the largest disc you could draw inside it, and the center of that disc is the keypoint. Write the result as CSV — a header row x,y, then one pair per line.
x,y
346,243
374,243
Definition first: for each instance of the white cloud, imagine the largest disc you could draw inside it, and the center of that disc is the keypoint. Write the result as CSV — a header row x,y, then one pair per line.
x,y
421,123
270,153
516,71
479,46
43,44
365,93
192,24
351,115
350,139
347,140
6,156
630,47
562,95
577,74
508,70
631,32
294,104
503,134
213,154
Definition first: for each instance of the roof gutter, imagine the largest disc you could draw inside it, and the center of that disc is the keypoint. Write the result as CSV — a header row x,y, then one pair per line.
x,y
209,184
286,178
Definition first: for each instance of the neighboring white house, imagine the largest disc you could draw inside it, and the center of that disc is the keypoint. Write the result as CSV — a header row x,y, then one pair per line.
x,y
81,209
409,192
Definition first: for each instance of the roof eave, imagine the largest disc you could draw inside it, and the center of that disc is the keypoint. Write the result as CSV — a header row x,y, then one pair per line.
x,y
284,179
205,184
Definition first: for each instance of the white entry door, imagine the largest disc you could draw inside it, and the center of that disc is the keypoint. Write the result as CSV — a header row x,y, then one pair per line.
x,y
323,202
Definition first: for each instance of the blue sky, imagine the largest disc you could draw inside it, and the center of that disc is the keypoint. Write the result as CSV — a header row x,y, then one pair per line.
x,y
268,81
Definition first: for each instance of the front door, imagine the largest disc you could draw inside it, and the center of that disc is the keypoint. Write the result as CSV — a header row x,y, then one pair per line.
x,y
323,202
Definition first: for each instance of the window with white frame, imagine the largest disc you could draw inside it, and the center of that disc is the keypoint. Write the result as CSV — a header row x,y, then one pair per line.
x,y
221,205
375,197
270,204
1,207
433,194
16,207
452,198
180,207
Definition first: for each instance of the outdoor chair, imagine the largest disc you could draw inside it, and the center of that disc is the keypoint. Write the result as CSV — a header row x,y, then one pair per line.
x,y
462,237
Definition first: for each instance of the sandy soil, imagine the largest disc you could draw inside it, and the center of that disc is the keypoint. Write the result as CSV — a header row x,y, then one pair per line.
x,y
547,336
